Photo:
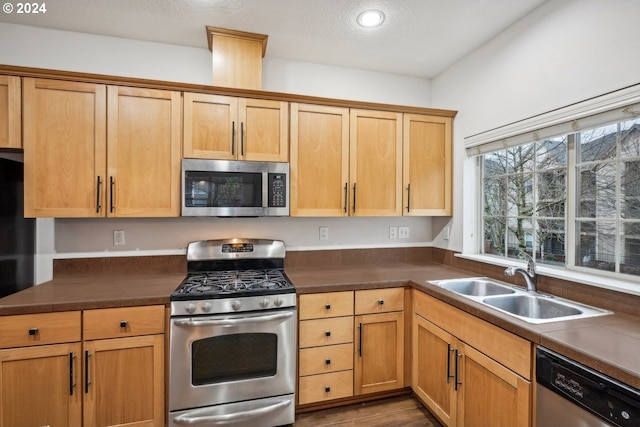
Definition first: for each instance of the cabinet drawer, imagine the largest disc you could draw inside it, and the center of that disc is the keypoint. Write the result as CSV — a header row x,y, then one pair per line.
x,y
317,388
379,300
123,322
322,360
329,304
314,333
37,329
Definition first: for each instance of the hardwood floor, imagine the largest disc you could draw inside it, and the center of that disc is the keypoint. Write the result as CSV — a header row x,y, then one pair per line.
x,y
404,411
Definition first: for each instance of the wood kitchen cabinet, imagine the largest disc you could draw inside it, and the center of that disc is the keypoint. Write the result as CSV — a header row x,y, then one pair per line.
x,y
10,112
379,340
325,347
345,161
84,160
230,128
467,371
40,370
427,165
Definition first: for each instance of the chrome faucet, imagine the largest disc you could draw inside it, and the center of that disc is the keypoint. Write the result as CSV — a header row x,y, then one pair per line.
x,y
529,274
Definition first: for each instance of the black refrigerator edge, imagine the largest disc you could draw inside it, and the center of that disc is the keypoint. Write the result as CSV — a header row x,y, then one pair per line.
x,y
17,234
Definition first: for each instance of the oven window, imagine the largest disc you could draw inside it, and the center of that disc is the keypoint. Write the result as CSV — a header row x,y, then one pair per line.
x,y
233,357
222,189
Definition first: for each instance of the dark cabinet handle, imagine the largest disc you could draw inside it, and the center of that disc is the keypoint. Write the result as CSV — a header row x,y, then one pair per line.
x,y
381,301
71,383
327,389
346,196
449,350
242,139
233,138
87,355
124,324
327,306
33,331
408,197
327,333
354,197
112,185
98,200
327,361
457,372
360,339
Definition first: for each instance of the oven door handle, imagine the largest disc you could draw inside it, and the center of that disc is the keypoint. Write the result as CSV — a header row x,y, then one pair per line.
x,y
232,322
195,417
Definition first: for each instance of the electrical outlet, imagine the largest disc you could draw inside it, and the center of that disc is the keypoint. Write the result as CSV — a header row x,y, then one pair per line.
x,y
118,237
446,233
324,232
403,232
393,232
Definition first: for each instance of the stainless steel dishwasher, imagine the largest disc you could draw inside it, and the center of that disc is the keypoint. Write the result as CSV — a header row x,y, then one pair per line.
x,y
570,394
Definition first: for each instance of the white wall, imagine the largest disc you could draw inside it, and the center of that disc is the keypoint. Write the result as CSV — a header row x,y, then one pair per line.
x,y
564,52
43,48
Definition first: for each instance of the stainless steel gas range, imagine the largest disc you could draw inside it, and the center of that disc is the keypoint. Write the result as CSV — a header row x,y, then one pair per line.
x,y
232,355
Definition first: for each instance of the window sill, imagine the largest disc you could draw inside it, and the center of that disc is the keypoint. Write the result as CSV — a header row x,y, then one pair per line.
x,y
591,279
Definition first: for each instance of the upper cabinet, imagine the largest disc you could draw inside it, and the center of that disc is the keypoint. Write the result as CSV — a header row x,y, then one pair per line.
x,y
230,128
10,112
427,165
84,161
345,162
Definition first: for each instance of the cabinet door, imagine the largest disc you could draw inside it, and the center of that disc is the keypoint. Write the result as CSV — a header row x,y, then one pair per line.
x,y
433,371
40,386
10,112
319,160
124,382
379,352
490,394
375,160
64,148
210,126
143,152
264,130
427,165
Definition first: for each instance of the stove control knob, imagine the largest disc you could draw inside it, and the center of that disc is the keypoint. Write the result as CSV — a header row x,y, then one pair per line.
x,y
264,303
191,308
277,302
236,305
206,307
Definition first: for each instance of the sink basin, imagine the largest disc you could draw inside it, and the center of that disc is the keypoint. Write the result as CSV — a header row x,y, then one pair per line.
x,y
514,301
541,308
477,287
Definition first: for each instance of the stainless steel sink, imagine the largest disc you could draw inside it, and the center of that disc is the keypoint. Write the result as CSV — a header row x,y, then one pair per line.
x,y
519,303
478,287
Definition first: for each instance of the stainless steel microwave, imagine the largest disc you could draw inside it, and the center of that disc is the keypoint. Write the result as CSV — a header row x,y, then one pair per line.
x,y
234,188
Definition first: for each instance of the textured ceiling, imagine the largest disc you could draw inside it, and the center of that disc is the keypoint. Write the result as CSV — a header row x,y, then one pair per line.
x,y
419,37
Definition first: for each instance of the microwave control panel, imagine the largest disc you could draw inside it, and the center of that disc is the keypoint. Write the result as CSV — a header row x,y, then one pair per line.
x,y
277,190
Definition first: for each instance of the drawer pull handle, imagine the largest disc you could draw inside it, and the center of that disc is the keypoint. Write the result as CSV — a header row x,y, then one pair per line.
x,y
327,333
124,324
327,361
327,306
327,389
33,331
381,301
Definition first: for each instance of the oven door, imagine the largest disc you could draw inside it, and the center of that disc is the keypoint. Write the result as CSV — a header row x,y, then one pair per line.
x,y
231,358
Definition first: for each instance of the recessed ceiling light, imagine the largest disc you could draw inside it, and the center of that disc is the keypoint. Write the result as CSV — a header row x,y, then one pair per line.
x,y
370,18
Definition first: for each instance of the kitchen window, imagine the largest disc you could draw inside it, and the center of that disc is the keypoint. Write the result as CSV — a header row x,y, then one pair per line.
x,y
571,200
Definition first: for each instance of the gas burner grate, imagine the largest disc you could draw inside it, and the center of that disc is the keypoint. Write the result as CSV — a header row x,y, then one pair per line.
x,y
232,281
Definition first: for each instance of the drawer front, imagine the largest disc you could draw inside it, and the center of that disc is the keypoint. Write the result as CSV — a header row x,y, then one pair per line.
x,y
39,329
123,322
322,360
314,333
379,300
317,388
329,304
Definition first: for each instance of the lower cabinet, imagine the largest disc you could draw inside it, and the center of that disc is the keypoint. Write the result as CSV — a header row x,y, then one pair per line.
x,y
464,385
115,377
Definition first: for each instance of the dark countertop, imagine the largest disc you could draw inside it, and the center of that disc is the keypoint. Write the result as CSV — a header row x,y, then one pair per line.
x,y
609,344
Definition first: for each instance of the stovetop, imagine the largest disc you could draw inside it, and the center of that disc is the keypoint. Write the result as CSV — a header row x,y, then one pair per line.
x,y
232,283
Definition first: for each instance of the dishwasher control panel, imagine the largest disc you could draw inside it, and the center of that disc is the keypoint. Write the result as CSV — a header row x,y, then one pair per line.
x,y
614,402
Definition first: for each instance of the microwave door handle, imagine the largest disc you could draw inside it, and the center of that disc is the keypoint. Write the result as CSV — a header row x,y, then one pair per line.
x,y
233,322
193,418
265,189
